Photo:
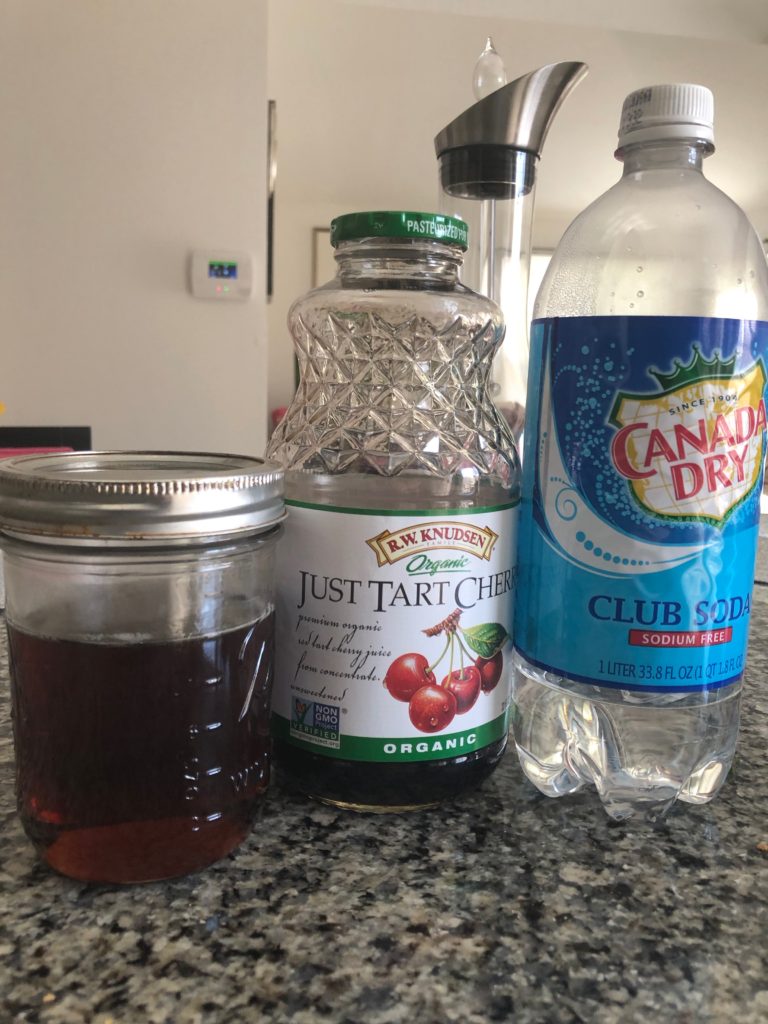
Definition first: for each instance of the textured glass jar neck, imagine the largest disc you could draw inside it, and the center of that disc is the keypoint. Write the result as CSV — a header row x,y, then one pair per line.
x,y
379,260
669,154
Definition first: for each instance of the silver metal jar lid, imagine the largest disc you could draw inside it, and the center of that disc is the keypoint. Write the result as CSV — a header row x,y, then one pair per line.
x,y
138,497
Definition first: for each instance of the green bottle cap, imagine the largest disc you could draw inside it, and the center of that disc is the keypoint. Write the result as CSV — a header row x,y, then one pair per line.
x,y
399,224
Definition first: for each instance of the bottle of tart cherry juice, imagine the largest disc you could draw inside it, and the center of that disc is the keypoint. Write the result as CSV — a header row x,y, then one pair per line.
x,y
397,574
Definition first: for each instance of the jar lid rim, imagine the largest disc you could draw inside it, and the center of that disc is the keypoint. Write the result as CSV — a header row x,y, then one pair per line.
x,y
150,496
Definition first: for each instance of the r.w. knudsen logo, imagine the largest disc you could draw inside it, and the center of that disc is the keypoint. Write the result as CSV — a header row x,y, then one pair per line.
x,y
411,540
694,449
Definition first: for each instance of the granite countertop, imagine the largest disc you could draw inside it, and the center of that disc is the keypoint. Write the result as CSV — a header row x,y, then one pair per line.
x,y
505,906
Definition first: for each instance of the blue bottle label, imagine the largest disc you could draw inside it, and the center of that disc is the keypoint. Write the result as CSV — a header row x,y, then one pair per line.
x,y
642,474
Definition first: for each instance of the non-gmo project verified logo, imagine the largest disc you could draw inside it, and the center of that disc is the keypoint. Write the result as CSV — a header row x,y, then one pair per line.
x,y
317,723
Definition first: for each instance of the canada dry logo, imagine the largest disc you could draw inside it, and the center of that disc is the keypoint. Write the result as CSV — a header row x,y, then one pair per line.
x,y
694,449
411,540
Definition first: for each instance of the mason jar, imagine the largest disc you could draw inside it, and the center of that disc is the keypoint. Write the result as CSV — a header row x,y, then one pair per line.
x,y
140,616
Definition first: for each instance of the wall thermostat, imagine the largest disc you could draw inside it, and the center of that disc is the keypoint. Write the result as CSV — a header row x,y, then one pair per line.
x,y
221,275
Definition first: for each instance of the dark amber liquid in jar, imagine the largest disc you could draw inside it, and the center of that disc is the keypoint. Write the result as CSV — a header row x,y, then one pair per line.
x,y
366,786
141,761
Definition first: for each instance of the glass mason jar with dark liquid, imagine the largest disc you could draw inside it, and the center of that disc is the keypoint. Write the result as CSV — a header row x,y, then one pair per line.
x,y
397,575
139,604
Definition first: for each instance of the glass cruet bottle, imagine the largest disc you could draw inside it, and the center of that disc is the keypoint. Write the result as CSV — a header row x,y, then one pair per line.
x,y
402,480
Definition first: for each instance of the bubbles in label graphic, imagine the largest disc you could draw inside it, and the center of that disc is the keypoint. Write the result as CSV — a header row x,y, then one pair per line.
x,y
605,556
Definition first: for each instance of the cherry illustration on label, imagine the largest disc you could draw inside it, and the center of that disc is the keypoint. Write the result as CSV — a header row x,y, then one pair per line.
x,y
432,708
411,678
407,674
464,684
490,671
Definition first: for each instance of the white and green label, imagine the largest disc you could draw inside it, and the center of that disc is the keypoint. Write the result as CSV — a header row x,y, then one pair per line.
x,y
394,631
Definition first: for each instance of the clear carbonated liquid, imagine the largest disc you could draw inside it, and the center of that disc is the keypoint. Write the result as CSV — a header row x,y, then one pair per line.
x,y
641,752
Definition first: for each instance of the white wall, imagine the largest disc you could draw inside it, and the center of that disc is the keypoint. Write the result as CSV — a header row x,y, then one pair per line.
x,y
132,132
362,87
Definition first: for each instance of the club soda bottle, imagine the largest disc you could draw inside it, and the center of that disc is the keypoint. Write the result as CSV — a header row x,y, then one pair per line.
x,y
642,473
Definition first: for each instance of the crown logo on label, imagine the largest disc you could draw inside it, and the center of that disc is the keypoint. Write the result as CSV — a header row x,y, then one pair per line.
x,y
697,370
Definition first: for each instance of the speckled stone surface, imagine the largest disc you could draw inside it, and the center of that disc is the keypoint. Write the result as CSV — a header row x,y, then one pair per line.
x,y
503,907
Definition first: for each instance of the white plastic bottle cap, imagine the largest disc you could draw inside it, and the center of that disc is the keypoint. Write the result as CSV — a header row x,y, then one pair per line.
x,y
667,112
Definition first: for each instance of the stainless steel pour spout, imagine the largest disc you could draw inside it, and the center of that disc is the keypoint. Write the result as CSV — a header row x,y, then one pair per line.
x,y
476,150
